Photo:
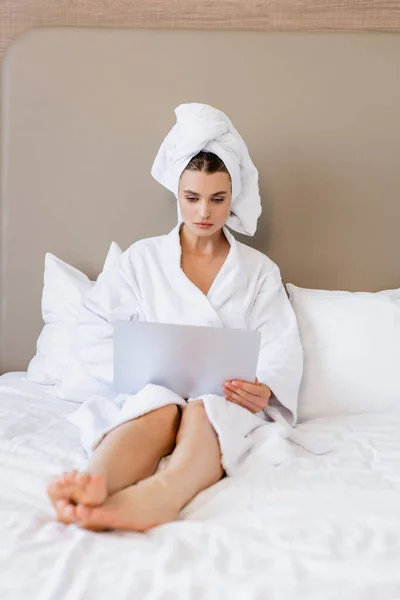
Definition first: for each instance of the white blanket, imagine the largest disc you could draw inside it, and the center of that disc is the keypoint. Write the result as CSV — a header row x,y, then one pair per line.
x,y
316,527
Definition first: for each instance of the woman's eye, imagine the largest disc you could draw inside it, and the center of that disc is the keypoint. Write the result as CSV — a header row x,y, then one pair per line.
x,y
194,199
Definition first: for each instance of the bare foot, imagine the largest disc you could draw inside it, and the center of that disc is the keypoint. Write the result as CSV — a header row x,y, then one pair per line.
x,y
136,508
77,488
66,512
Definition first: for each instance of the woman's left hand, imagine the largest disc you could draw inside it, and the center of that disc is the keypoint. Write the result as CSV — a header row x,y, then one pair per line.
x,y
253,396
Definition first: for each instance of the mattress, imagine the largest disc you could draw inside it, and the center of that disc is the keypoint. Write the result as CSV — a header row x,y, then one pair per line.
x,y
323,526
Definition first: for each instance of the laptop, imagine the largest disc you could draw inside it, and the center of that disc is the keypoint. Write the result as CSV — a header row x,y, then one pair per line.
x,y
187,359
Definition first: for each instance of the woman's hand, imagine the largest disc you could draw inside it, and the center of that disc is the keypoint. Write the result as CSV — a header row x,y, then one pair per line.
x,y
253,396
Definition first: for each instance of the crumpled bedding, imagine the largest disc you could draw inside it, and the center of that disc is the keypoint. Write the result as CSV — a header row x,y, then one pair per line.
x,y
316,526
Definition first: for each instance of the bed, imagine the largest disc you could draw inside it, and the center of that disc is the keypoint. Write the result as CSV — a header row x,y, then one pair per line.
x,y
316,525
83,113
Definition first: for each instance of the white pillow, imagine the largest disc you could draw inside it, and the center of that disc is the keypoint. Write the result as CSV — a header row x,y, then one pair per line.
x,y
64,290
351,343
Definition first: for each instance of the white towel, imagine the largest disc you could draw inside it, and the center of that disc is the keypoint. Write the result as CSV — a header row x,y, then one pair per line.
x,y
201,127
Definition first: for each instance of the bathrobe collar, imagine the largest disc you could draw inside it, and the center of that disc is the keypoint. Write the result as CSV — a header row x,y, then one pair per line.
x,y
230,278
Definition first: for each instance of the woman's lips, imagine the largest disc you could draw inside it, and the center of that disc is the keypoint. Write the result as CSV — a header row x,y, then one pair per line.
x,y
203,225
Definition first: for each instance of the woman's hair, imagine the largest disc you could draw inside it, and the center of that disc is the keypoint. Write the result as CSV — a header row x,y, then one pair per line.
x,y
207,162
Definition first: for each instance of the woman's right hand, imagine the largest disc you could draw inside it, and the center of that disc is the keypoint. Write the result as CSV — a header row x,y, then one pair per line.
x,y
253,396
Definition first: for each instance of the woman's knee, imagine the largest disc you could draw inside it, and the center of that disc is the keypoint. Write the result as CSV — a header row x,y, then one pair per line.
x,y
195,411
161,426
167,417
194,414
164,420
196,407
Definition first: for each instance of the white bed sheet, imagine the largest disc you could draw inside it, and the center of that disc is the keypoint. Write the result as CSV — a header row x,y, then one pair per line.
x,y
315,527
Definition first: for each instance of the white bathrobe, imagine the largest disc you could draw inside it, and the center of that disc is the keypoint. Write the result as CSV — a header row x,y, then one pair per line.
x,y
148,284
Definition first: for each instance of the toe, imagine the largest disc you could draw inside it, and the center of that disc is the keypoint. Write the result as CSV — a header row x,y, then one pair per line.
x,y
83,513
55,489
69,512
65,512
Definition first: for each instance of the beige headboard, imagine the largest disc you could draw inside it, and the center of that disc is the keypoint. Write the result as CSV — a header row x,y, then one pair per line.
x,y
17,16
84,112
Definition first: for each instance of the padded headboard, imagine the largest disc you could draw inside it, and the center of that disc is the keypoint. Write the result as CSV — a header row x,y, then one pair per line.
x,y
85,110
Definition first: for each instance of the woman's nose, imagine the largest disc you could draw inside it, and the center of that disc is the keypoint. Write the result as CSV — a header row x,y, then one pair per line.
x,y
204,210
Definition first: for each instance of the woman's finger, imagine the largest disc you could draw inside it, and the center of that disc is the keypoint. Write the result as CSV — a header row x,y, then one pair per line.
x,y
233,397
256,389
256,400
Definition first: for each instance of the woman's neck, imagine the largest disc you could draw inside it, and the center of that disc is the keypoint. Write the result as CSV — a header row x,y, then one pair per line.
x,y
207,246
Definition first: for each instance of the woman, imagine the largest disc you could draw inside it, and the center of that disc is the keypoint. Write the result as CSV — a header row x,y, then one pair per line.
x,y
197,275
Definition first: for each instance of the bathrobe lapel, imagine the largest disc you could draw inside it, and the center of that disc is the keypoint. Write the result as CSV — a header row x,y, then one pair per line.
x,y
206,309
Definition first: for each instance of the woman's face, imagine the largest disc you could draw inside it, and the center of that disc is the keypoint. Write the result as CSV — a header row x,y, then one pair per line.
x,y
205,201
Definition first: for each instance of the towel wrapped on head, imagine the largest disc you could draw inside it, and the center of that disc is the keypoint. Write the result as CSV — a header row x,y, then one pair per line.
x,y
200,127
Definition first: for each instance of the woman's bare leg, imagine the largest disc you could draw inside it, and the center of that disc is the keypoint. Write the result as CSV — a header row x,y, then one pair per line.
x,y
133,450
129,453
194,465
